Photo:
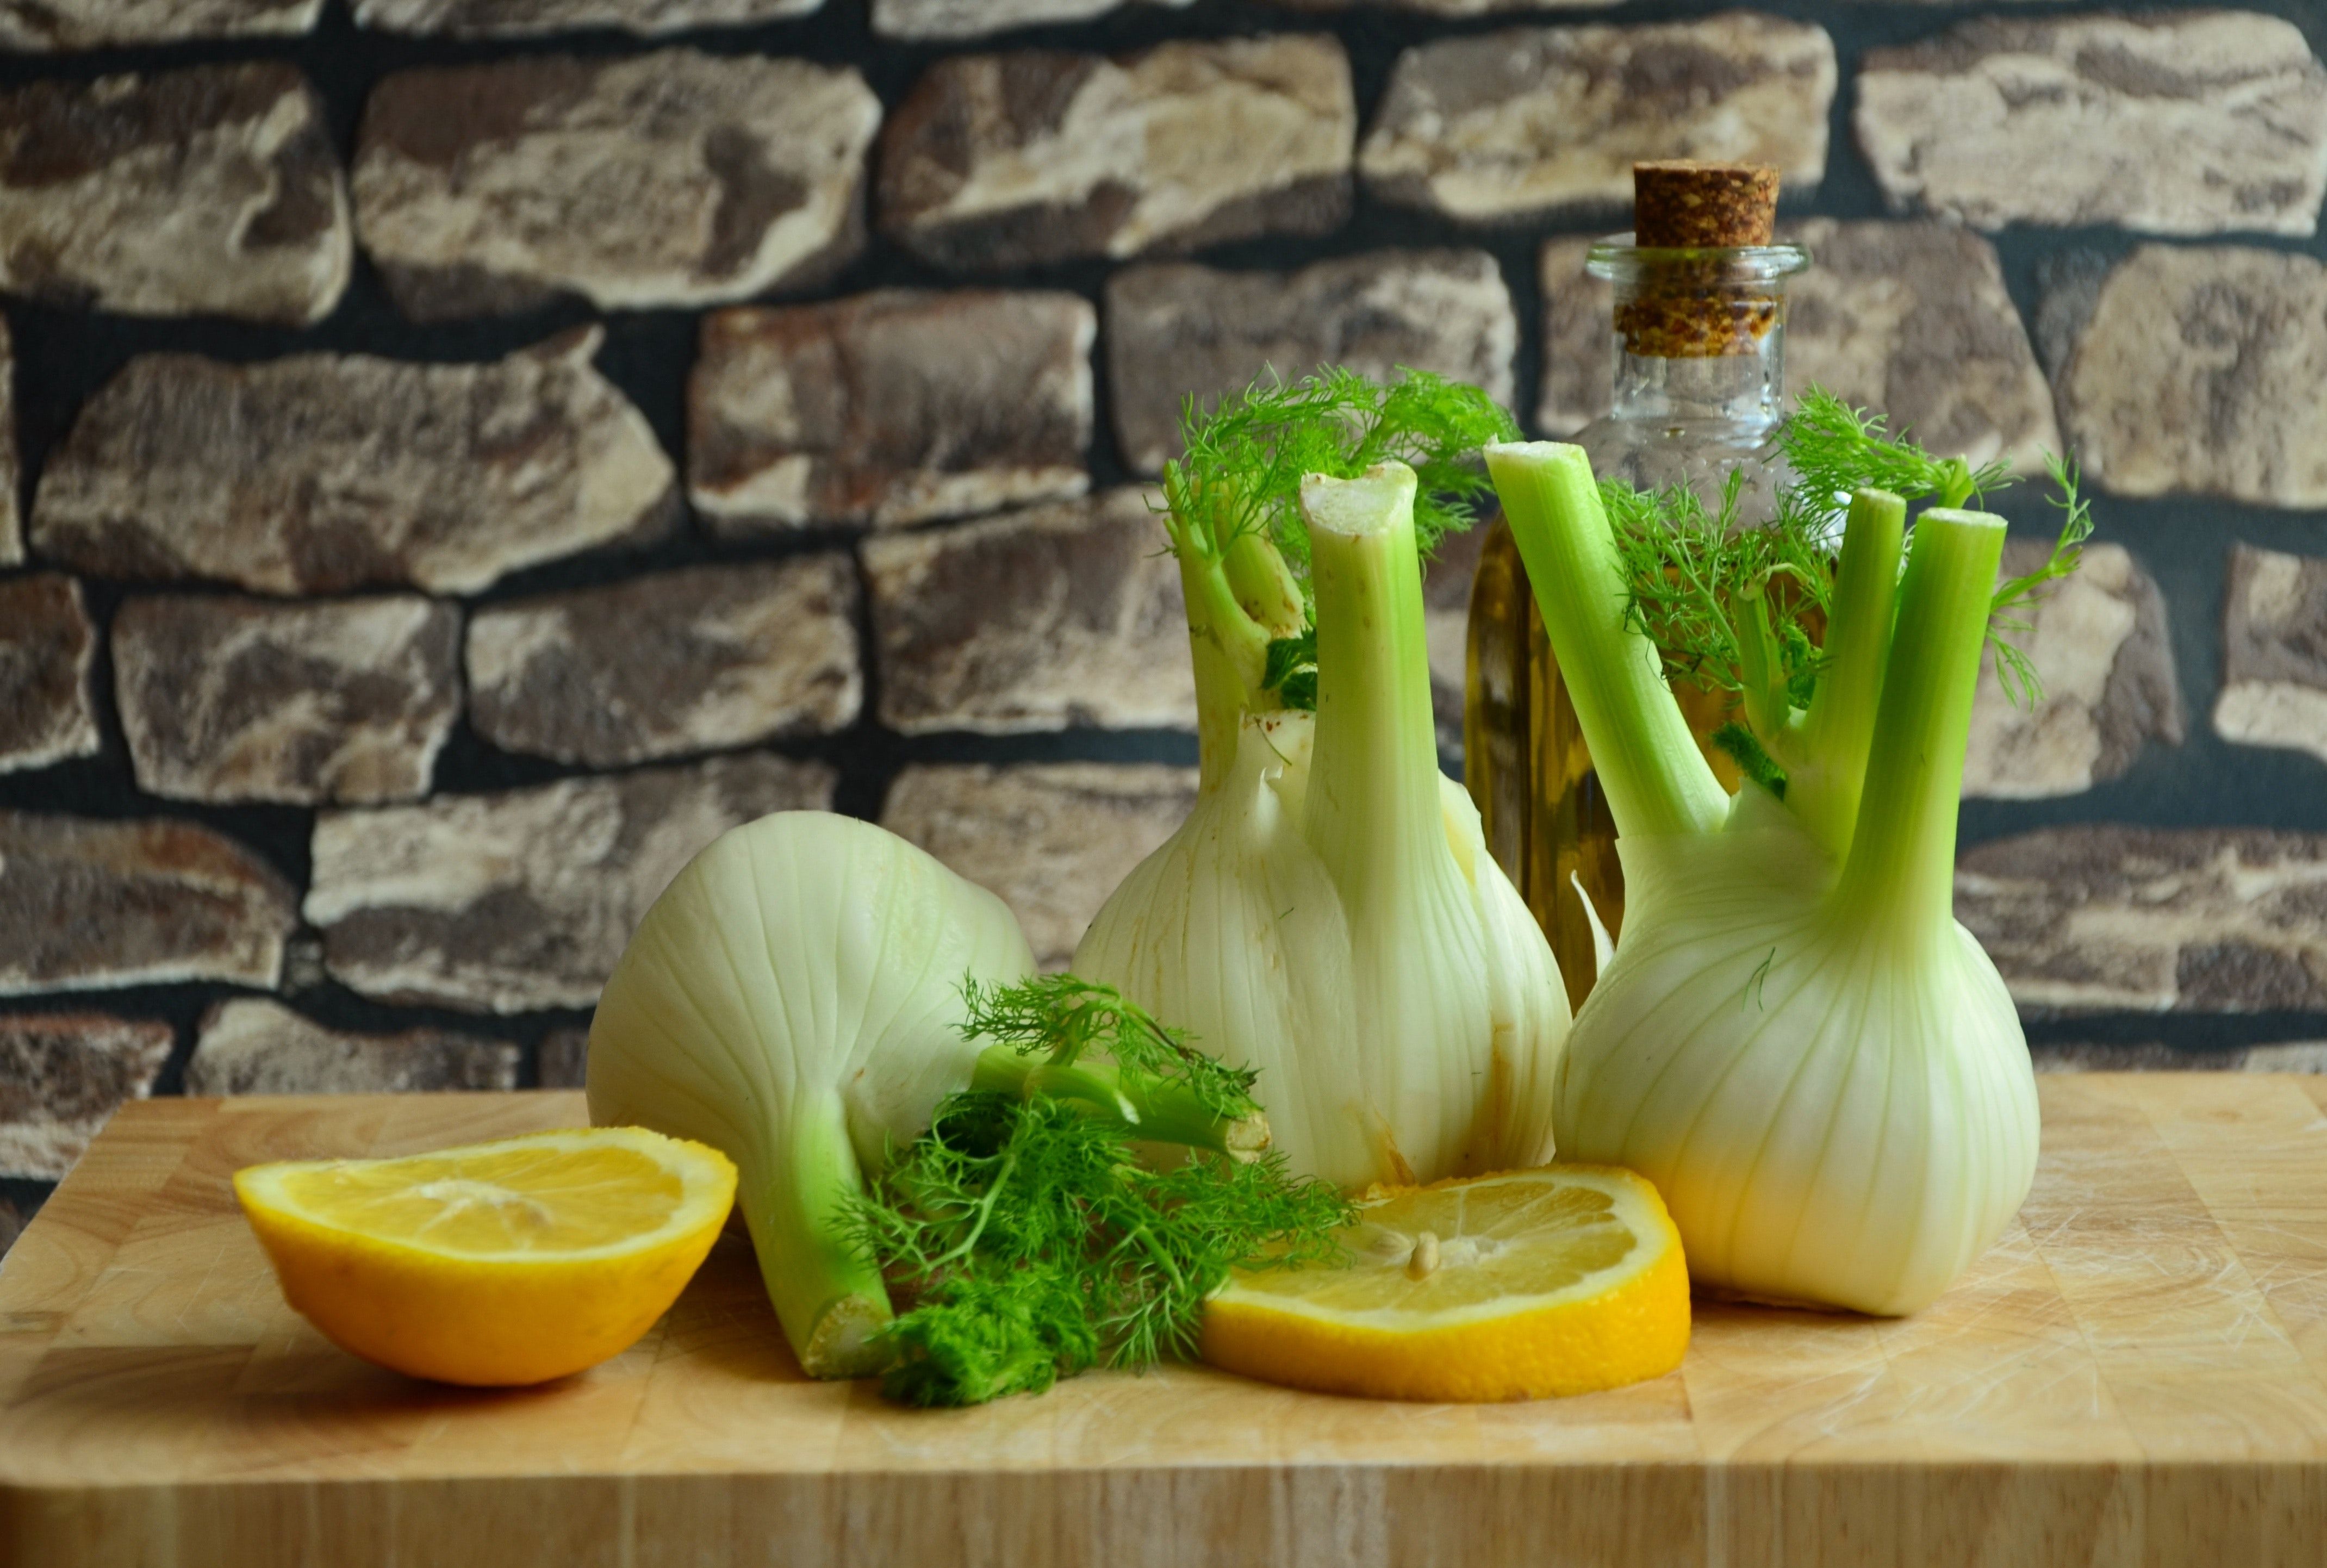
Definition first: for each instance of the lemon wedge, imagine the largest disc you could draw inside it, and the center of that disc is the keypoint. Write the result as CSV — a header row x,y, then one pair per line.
x,y
494,1263
1535,1283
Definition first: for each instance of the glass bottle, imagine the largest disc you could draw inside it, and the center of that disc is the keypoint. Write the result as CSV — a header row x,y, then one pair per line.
x,y
1698,341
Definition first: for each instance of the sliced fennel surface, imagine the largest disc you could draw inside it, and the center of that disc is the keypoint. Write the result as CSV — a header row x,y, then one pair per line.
x,y
1818,1068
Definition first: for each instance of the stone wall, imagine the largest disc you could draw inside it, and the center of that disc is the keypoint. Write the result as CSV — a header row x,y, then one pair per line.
x,y
463,454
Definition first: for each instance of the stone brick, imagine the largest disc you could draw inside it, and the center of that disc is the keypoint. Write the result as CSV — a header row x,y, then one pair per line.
x,y
1066,614
1578,383
564,1059
2185,122
1912,320
699,659
2291,1056
1052,839
211,191
35,27
323,472
2275,652
1452,7
529,18
253,1047
62,1076
939,19
1176,328
894,407
90,905
2101,649
999,160
1520,124
46,645
2197,369
228,699
11,533
521,900
2145,919
667,179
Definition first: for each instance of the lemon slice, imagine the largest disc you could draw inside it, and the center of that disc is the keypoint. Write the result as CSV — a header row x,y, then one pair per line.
x,y
504,1263
1557,1281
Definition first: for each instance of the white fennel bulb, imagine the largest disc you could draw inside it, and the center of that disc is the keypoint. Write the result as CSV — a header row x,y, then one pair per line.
x,y
794,1000
1328,914
1820,1068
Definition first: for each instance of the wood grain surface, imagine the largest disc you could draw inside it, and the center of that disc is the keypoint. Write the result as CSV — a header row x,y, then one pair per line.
x,y
2136,1374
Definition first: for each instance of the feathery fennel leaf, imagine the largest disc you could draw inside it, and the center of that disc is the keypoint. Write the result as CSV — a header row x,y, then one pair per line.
x,y
2014,672
1245,459
1752,760
1032,1241
1836,449
1061,1018
1291,670
1733,609
1685,567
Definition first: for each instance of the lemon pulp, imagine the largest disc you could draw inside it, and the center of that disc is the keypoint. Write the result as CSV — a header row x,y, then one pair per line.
x,y
502,1263
1557,1281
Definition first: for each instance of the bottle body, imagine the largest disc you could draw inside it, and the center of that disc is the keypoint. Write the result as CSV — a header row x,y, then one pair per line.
x,y
1692,419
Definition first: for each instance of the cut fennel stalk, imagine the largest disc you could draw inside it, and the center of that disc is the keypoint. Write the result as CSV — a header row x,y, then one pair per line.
x,y
1818,1067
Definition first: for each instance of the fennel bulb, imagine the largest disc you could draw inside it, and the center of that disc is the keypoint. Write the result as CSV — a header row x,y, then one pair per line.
x,y
1818,1067
809,994
1328,914
793,1000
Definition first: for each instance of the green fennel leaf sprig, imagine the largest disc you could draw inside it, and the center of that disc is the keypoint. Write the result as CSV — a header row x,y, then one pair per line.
x,y
1243,459
2013,673
1030,1238
1232,511
1836,449
1291,670
1732,609
1061,1019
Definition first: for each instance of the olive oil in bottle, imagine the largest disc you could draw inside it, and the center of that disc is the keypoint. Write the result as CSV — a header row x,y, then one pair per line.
x,y
1699,348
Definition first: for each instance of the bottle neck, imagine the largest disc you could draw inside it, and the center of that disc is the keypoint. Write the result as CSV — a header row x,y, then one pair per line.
x,y
1742,391
1699,334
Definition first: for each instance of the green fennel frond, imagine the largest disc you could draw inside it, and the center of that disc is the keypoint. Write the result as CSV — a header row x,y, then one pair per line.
x,y
1752,760
1061,1018
1028,1242
1244,458
1835,450
2014,672
1291,670
1685,568
1736,610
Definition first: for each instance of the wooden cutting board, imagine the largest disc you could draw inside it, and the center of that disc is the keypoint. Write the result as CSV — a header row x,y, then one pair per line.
x,y
2136,1374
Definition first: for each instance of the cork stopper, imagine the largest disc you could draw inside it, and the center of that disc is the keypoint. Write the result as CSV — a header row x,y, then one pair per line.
x,y
1685,310
1682,202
